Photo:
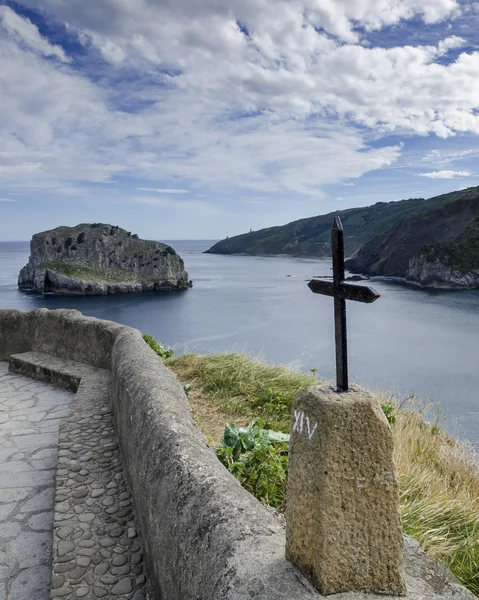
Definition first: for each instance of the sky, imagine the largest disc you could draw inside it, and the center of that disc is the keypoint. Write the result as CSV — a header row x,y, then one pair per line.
x,y
188,119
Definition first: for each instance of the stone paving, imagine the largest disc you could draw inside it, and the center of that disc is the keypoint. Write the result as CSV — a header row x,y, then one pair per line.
x,y
97,550
30,415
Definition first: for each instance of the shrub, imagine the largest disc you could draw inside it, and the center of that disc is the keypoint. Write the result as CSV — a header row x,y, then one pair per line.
x,y
157,348
258,457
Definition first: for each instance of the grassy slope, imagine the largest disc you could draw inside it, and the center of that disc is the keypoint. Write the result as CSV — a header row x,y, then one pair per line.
x,y
233,387
439,477
311,236
88,273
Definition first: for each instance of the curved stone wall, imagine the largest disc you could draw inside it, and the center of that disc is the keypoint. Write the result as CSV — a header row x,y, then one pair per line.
x,y
205,537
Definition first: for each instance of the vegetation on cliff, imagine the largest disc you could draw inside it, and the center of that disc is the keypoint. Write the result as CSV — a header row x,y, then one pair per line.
x,y
438,476
432,242
448,233
95,274
462,254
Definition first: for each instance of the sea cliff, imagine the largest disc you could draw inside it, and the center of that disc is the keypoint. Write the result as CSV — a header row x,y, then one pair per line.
x,y
99,259
433,273
438,248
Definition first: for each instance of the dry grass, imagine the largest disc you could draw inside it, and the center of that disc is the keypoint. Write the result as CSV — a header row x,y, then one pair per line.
x,y
439,477
439,483
211,417
237,386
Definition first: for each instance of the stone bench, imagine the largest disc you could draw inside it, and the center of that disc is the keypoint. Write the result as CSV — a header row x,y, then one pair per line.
x,y
51,369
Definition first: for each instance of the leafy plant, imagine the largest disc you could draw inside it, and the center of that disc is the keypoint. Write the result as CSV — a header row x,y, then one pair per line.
x,y
187,388
157,347
390,411
258,458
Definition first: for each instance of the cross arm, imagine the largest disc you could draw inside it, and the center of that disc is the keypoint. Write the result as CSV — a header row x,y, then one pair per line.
x,y
344,291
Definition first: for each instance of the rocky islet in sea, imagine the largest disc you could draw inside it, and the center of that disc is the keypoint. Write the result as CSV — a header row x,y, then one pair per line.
x,y
100,259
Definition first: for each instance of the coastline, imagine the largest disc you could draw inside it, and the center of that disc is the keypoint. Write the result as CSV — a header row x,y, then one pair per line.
x,y
402,280
417,285
306,257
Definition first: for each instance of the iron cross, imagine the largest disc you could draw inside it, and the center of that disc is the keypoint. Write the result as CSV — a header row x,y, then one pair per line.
x,y
341,292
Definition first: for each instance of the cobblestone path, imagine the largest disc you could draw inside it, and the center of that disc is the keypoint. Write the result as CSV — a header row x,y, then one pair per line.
x,y
97,549
30,414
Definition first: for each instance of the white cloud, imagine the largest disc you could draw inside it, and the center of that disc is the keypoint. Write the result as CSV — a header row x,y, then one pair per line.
x,y
443,156
256,200
7,200
163,190
450,43
24,31
142,23
22,169
446,174
188,205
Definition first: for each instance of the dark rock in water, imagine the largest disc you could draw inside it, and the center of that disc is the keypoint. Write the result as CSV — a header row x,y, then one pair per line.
x,y
357,278
433,273
92,259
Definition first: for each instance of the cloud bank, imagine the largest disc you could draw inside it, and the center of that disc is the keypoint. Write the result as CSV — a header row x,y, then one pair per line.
x,y
250,95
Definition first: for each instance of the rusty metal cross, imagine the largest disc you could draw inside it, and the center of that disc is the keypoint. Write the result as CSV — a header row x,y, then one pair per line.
x,y
341,292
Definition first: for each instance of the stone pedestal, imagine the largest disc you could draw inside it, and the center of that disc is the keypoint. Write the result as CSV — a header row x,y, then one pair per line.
x,y
343,525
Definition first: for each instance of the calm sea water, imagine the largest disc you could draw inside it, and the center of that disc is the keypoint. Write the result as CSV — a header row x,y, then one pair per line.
x,y
410,340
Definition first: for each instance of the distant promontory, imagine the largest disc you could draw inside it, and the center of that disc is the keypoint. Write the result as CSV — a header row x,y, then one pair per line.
x,y
432,243
99,259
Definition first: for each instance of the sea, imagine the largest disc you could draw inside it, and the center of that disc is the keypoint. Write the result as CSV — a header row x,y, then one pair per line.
x,y
411,341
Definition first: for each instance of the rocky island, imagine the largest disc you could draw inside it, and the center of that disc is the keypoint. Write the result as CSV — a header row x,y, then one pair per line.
x,y
99,259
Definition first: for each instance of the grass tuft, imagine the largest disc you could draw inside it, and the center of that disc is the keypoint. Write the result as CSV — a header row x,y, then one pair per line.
x,y
439,486
241,386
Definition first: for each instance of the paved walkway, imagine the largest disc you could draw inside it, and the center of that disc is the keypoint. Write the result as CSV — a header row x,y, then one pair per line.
x,y
64,502
30,414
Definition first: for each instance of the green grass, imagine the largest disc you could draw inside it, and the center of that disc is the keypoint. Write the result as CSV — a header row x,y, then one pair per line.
x,y
438,476
86,272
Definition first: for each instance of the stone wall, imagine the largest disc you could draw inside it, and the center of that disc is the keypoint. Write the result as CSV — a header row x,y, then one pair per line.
x,y
63,333
205,537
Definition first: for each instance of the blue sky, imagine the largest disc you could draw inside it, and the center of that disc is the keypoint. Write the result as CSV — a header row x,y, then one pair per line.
x,y
180,119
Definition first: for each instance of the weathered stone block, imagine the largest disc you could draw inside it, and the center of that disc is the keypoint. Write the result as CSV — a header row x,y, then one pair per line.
x,y
343,526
